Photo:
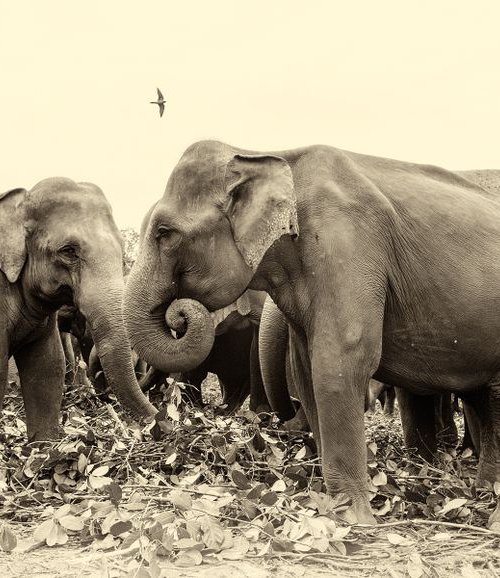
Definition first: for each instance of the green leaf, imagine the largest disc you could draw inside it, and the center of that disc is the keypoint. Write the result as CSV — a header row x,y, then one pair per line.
x,y
72,523
115,493
8,540
57,535
42,532
181,500
188,558
453,505
240,480
269,499
256,491
399,540
120,527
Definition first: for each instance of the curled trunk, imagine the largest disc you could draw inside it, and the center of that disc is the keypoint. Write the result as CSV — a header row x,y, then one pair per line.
x,y
151,318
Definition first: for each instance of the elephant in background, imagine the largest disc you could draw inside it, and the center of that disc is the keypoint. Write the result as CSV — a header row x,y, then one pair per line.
x,y
382,392
60,246
382,268
234,357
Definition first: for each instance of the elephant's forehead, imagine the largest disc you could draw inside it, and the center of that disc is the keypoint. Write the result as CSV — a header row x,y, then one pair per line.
x,y
66,198
195,179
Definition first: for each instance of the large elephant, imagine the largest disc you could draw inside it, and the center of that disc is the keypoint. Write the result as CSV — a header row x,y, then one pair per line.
x,y
59,245
382,268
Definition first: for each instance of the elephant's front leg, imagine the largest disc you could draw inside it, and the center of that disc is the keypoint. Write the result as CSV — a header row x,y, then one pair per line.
x,y
345,350
41,372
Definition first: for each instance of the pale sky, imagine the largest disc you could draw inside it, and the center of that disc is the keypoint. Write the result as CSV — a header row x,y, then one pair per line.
x,y
414,80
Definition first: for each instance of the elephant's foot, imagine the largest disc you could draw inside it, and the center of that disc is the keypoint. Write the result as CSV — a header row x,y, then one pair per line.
x,y
494,519
488,472
45,434
360,513
298,422
262,408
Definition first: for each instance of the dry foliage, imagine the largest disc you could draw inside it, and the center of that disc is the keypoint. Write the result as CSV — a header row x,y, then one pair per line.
x,y
201,488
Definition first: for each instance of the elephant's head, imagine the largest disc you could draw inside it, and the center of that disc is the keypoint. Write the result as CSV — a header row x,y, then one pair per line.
x,y
59,243
204,240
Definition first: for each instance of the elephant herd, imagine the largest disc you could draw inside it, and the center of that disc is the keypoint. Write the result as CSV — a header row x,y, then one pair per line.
x,y
293,275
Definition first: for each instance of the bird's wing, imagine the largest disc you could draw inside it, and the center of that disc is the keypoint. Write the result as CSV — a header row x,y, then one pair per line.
x,y
160,95
162,108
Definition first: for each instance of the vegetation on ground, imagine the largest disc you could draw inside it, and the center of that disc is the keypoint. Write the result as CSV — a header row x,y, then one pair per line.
x,y
201,489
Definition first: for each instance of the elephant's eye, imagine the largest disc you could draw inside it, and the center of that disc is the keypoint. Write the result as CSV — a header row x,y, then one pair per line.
x,y
168,237
68,251
164,231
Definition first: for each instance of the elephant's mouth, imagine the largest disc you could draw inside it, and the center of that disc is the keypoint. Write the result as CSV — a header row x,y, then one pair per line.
x,y
63,295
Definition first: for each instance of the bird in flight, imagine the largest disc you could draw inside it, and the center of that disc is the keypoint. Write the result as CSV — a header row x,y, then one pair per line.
x,y
160,102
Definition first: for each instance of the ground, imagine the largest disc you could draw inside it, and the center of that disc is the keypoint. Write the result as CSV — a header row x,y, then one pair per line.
x,y
204,494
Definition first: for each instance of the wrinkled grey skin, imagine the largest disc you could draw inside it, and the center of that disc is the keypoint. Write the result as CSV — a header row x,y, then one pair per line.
x,y
382,268
60,246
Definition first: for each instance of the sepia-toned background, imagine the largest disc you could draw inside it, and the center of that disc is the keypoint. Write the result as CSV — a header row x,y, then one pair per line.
x,y
415,80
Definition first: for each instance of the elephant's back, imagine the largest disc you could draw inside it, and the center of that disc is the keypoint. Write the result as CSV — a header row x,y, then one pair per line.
x,y
487,179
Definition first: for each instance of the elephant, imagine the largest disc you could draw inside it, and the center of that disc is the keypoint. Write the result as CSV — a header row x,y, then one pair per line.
x,y
383,269
60,246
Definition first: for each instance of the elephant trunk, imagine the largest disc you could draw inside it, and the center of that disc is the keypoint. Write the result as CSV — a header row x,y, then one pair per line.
x,y
151,316
105,318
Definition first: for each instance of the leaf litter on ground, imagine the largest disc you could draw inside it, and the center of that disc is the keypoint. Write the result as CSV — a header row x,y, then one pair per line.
x,y
205,488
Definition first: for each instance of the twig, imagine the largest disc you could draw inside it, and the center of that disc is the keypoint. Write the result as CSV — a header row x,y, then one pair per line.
x,y
437,523
111,411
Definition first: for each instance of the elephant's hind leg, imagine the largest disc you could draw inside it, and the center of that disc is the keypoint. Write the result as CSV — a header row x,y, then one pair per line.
x,y
418,422
390,398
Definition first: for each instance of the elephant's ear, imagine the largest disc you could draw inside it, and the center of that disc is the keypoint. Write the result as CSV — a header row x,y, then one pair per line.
x,y
12,233
261,205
